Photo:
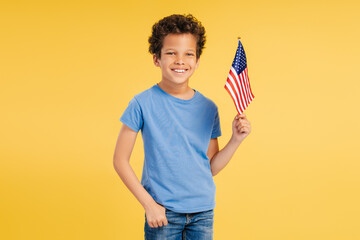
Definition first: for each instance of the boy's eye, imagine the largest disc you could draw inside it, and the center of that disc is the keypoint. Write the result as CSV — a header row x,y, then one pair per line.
x,y
190,54
170,53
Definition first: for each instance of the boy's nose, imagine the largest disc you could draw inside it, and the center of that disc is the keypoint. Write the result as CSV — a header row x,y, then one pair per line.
x,y
179,60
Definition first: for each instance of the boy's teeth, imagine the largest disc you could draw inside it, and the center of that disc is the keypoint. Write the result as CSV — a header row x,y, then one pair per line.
x,y
176,70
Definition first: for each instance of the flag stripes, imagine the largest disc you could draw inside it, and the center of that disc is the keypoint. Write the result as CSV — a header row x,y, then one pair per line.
x,y
237,83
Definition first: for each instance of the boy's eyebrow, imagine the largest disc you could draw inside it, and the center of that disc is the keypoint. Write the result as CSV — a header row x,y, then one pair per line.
x,y
189,49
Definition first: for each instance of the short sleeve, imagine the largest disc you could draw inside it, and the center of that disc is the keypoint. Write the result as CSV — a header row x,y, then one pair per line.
x,y
216,131
132,116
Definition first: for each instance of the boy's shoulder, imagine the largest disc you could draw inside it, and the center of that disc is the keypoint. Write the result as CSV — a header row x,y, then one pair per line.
x,y
208,100
144,94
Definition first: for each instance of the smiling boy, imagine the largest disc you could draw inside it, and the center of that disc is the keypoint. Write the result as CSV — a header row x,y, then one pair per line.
x,y
179,127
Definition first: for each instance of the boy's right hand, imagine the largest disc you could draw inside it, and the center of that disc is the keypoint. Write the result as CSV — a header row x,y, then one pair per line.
x,y
155,215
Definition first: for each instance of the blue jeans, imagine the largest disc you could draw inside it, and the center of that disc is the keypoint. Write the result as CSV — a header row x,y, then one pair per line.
x,y
183,226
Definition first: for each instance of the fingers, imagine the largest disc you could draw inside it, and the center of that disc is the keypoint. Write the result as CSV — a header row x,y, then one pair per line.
x,y
243,129
242,116
153,224
243,125
242,122
158,223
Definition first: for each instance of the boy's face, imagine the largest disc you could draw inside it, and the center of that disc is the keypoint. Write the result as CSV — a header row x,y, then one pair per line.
x,y
178,58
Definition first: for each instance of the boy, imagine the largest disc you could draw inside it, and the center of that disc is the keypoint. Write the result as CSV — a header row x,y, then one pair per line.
x,y
179,128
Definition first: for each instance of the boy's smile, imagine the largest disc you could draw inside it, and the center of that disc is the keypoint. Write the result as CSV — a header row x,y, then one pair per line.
x,y
178,59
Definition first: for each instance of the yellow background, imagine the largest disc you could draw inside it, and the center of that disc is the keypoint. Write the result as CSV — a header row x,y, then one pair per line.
x,y
69,68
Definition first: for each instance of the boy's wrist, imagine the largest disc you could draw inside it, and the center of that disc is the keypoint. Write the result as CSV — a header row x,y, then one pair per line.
x,y
148,202
235,140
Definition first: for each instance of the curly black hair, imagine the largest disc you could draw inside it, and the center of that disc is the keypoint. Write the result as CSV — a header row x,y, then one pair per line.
x,y
176,23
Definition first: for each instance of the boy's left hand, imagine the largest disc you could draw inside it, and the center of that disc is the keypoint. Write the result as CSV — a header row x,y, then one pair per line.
x,y
241,128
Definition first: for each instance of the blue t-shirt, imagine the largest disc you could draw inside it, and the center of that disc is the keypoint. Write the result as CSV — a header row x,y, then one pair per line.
x,y
176,135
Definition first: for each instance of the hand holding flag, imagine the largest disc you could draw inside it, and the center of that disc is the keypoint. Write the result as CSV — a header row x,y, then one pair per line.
x,y
241,128
237,83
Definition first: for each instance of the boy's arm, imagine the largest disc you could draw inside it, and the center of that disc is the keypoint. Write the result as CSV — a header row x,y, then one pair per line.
x,y
124,146
219,159
125,143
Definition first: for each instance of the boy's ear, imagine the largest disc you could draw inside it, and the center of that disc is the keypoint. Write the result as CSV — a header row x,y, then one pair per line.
x,y
156,60
197,63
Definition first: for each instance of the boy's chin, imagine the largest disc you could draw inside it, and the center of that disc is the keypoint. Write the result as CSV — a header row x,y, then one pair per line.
x,y
177,81
181,82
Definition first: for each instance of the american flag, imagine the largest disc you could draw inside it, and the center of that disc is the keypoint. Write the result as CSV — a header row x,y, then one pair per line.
x,y
237,83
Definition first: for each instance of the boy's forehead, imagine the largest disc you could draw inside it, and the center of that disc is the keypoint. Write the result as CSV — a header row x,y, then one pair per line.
x,y
184,40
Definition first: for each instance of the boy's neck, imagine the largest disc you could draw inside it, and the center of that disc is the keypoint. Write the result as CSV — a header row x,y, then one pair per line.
x,y
182,91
